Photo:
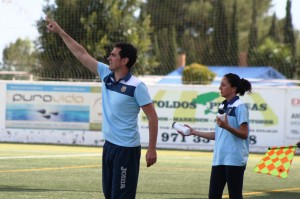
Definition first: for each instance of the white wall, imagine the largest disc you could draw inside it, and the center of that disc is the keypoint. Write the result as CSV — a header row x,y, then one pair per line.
x,y
274,114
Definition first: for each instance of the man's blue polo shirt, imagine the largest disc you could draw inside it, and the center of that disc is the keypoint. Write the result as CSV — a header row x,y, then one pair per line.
x,y
121,102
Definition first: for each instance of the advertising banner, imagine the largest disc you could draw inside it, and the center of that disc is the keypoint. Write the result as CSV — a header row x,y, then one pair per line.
x,y
34,110
267,116
293,113
37,106
197,106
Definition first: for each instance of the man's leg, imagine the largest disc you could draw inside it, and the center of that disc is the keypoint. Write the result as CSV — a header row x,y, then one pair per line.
x,y
107,156
126,172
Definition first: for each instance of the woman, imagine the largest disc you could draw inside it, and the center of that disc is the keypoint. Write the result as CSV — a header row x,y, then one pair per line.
x,y
231,137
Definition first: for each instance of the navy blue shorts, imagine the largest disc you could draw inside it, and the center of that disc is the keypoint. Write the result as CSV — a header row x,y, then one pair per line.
x,y
120,171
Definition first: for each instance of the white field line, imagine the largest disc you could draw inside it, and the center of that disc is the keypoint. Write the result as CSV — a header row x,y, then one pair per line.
x,y
51,156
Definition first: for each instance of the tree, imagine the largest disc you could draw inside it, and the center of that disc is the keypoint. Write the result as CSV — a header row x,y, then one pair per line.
x,y
220,35
195,26
233,53
190,26
273,30
165,49
289,38
97,25
20,56
277,55
253,43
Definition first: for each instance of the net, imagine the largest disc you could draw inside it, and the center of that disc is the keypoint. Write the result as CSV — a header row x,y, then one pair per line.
x,y
168,34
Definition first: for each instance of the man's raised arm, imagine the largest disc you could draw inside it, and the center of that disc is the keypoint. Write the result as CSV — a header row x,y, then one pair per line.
x,y
78,51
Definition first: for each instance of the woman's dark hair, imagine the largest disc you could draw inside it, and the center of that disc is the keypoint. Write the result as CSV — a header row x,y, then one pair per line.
x,y
129,51
242,85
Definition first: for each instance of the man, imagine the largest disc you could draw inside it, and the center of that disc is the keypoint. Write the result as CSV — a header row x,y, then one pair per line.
x,y
122,97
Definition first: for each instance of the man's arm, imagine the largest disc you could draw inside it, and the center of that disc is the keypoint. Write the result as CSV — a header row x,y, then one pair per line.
x,y
78,51
151,156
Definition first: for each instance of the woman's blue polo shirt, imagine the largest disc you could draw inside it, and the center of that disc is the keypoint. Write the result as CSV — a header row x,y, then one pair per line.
x,y
230,149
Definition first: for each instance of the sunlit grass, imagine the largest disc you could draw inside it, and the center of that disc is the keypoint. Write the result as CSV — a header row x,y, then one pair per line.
x,y
54,171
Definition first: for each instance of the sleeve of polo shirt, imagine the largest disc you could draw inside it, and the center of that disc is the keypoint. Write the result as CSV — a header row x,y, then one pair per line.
x,y
242,114
103,70
142,95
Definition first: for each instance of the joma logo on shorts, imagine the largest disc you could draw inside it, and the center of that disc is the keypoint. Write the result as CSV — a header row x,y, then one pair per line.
x,y
123,178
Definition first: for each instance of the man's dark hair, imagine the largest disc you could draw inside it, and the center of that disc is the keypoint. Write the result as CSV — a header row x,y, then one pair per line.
x,y
129,51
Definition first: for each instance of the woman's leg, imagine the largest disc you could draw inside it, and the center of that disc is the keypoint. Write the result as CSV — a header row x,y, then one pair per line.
x,y
217,182
235,179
